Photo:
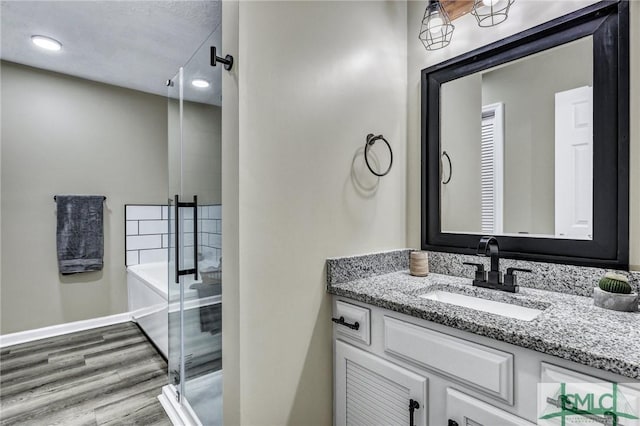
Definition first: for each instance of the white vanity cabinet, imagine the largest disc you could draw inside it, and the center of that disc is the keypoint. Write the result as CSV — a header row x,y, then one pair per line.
x,y
372,391
477,366
456,378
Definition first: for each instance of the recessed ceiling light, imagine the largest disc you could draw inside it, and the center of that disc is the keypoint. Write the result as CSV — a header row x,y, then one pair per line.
x,y
46,42
200,83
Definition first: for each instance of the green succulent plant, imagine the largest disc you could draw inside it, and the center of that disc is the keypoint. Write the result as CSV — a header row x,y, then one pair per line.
x,y
615,283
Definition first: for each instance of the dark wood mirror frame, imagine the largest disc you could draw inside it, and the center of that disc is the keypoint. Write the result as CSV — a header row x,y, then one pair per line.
x,y
608,23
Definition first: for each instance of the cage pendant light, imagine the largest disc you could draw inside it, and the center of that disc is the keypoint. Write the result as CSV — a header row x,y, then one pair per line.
x,y
490,13
437,29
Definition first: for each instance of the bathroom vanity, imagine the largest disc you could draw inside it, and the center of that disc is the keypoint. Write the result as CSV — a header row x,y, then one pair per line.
x,y
463,365
525,147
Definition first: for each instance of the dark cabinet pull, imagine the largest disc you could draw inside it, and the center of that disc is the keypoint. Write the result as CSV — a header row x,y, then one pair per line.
x,y
413,405
452,423
341,321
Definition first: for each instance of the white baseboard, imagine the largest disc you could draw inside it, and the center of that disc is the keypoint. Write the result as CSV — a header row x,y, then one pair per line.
x,y
60,329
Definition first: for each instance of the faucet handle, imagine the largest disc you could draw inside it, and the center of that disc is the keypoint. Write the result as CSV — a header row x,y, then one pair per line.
x,y
481,275
510,278
479,266
510,271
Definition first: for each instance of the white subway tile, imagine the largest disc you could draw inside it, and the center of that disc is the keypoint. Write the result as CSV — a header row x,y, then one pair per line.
x,y
215,240
209,254
165,241
153,227
132,227
204,214
132,257
218,226
186,212
165,212
187,239
209,226
216,212
150,256
144,212
187,225
144,242
188,257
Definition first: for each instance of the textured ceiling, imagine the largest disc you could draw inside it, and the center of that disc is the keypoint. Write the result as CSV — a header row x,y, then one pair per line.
x,y
133,44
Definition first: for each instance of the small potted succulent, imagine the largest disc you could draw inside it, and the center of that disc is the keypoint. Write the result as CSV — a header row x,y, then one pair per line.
x,y
614,292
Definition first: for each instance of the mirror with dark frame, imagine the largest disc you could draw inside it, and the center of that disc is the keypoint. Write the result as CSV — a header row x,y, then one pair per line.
x,y
527,139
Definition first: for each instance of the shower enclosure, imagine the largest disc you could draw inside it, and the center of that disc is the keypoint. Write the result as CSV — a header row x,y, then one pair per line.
x,y
194,392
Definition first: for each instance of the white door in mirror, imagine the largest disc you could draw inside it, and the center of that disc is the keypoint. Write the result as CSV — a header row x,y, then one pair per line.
x,y
574,164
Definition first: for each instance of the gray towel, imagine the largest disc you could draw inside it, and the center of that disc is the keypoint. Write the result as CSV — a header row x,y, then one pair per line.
x,y
80,235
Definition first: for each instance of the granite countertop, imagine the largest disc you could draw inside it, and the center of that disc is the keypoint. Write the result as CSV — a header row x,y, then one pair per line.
x,y
569,327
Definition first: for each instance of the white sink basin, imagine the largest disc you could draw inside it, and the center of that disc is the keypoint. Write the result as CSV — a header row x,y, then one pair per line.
x,y
493,307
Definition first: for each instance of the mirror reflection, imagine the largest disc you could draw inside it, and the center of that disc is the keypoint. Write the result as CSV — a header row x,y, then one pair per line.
x,y
516,147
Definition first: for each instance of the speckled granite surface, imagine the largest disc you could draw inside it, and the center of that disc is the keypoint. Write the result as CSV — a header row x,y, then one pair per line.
x,y
569,279
578,280
343,269
569,327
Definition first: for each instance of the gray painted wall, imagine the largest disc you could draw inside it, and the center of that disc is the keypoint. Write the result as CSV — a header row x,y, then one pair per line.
x,y
62,134
460,137
200,154
528,89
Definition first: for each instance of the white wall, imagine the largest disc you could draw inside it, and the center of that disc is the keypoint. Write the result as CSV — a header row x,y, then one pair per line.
x,y
468,36
60,135
311,87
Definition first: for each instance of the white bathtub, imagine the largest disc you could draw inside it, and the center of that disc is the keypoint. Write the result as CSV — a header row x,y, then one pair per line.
x,y
150,304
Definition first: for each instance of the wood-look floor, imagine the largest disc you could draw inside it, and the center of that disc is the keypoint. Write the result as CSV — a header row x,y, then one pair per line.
x,y
104,376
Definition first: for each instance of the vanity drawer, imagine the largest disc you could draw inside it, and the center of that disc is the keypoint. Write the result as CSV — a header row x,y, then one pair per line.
x,y
352,316
464,410
479,367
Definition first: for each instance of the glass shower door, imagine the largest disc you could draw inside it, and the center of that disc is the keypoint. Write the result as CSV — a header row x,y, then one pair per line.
x,y
175,295
195,354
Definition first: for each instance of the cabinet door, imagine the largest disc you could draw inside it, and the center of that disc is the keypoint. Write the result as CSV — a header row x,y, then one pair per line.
x,y
370,391
463,410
